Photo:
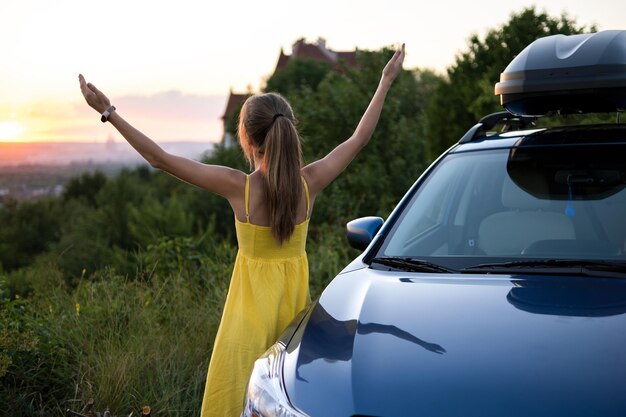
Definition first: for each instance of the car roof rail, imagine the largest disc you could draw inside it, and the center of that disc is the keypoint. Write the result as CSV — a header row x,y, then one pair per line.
x,y
510,121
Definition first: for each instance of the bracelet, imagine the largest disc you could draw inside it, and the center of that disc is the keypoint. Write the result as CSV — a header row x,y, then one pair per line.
x,y
106,114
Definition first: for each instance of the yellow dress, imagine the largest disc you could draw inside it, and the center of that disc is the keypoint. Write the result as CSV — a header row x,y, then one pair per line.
x,y
269,286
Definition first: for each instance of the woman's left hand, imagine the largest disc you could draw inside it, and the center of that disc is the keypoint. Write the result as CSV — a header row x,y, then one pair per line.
x,y
94,97
394,66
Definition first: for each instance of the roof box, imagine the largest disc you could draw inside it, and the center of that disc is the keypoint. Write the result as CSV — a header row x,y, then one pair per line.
x,y
567,74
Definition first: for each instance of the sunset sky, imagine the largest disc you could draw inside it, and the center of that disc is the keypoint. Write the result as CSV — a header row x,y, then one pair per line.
x,y
168,66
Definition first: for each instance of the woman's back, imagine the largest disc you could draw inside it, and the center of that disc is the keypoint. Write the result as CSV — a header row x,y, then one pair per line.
x,y
256,240
258,207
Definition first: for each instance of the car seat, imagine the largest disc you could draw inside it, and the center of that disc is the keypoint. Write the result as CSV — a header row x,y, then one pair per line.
x,y
525,222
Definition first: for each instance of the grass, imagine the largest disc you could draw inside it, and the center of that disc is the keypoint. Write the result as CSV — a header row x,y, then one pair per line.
x,y
128,340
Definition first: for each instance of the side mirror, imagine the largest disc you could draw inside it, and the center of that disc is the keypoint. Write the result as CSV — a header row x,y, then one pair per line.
x,y
360,232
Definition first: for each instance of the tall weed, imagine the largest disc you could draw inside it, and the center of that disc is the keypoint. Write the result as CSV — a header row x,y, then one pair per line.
x,y
124,341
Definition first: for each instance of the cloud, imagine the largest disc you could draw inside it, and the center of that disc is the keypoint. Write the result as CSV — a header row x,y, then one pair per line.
x,y
175,104
165,116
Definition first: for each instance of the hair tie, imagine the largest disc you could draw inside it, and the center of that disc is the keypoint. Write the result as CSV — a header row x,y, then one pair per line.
x,y
276,116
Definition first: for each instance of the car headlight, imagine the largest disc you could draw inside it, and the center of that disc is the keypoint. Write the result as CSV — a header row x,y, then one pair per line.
x,y
265,395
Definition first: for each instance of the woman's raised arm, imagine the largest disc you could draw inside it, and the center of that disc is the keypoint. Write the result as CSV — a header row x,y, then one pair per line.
x,y
224,181
322,172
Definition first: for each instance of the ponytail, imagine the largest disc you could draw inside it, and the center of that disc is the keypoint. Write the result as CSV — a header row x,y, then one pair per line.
x,y
267,124
282,162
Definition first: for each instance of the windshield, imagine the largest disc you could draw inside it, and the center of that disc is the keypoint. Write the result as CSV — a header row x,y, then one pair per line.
x,y
558,202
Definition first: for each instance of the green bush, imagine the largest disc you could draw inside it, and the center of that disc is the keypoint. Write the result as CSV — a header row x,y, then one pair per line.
x,y
35,364
328,252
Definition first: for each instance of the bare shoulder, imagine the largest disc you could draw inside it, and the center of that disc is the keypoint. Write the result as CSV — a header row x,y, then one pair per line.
x,y
308,173
233,181
318,175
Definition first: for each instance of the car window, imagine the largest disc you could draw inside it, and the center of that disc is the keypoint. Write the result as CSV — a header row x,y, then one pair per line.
x,y
537,202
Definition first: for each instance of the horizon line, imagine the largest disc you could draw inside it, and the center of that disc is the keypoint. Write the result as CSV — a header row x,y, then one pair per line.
x,y
105,142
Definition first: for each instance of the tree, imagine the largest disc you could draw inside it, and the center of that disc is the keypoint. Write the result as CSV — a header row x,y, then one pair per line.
x,y
467,94
329,113
299,74
27,230
85,186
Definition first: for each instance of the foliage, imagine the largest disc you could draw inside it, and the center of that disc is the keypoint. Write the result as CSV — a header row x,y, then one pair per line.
x,y
298,75
27,230
151,220
329,253
395,156
14,337
85,186
139,341
35,365
125,341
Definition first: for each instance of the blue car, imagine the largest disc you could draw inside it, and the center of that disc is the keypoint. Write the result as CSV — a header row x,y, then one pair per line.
x,y
497,287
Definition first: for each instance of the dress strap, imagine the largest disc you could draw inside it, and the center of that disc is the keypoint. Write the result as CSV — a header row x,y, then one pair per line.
x,y
306,192
245,197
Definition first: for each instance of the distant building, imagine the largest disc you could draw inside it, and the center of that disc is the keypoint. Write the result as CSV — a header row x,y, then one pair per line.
x,y
300,50
110,143
233,104
317,51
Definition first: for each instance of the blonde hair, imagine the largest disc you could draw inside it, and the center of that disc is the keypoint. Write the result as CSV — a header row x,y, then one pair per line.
x,y
267,126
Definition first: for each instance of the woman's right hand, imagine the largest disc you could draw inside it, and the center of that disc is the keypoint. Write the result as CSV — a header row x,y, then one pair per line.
x,y
94,97
394,66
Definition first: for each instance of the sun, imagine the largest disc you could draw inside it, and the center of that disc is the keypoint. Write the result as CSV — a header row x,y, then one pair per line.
x,y
10,131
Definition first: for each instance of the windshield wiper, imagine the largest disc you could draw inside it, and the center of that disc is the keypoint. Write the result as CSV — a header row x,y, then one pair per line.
x,y
542,266
413,265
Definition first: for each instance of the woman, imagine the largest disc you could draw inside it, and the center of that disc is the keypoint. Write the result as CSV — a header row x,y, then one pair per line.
x,y
272,206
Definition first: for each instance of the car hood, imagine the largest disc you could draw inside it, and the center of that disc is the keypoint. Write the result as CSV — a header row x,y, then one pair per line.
x,y
380,344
